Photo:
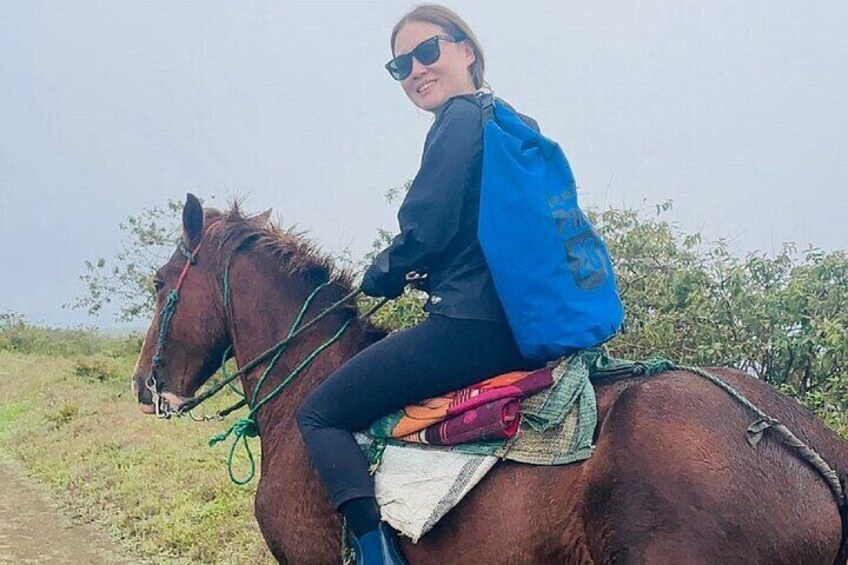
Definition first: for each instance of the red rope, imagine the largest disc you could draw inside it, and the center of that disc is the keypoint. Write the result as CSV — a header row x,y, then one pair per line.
x,y
188,264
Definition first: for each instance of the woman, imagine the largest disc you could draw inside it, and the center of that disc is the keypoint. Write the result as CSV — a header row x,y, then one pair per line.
x,y
465,338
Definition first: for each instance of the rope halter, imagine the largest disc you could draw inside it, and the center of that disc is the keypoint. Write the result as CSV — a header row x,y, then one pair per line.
x,y
161,405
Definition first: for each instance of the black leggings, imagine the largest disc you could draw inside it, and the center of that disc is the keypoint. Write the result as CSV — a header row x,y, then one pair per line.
x,y
439,355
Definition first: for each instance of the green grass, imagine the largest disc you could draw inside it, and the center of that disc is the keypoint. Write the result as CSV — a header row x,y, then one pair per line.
x,y
153,485
68,419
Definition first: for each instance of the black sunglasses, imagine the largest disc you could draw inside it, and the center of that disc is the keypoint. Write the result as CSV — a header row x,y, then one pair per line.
x,y
427,52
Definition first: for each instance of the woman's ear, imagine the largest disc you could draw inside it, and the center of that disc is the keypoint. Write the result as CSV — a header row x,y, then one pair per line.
x,y
468,52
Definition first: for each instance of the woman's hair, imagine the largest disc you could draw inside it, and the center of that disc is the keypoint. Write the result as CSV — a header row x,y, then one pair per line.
x,y
453,26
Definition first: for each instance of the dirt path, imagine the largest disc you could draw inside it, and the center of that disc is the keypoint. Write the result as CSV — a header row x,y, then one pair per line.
x,y
33,531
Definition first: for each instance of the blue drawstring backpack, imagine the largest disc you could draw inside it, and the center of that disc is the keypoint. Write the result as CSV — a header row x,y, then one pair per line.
x,y
550,267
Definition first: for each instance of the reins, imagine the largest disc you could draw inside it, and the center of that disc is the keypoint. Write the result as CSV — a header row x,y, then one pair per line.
x,y
246,427
276,349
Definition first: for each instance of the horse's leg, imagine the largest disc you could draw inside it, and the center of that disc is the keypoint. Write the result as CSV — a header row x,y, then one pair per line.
x,y
673,480
294,514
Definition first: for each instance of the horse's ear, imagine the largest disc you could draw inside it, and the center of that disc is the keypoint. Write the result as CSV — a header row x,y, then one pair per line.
x,y
263,218
192,221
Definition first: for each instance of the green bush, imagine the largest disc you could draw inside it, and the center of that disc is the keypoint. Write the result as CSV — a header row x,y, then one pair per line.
x,y
782,318
95,369
65,414
18,335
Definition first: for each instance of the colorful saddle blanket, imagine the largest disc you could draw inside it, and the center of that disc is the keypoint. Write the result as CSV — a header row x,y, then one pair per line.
x,y
488,410
417,484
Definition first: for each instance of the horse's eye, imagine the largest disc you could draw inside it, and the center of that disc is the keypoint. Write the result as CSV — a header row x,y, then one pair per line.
x,y
158,284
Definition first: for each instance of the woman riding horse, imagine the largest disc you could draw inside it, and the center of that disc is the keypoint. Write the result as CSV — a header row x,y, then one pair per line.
x,y
465,337
674,477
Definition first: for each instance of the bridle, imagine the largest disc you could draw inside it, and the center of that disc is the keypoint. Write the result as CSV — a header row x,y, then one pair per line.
x,y
246,427
162,407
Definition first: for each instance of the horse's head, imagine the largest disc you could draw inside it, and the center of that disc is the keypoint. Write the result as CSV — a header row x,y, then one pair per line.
x,y
188,334
195,315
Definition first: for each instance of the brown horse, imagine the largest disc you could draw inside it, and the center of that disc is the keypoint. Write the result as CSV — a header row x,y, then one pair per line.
x,y
673,479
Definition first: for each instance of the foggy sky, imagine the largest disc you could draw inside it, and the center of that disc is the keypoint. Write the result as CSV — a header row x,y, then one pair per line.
x,y
736,111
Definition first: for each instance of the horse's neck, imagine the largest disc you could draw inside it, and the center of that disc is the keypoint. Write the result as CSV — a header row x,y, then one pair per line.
x,y
263,311
291,508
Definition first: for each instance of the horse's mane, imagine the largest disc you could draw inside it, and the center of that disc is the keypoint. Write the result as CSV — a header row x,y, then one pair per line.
x,y
232,230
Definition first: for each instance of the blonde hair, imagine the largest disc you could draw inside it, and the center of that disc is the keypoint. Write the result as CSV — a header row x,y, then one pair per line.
x,y
454,26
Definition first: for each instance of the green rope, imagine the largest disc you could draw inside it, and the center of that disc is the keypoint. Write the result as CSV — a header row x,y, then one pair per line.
x,y
755,432
164,325
292,330
306,305
272,351
271,364
608,368
303,365
248,427
242,430
226,373
653,367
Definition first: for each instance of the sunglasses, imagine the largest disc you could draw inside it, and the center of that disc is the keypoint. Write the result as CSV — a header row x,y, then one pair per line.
x,y
427,52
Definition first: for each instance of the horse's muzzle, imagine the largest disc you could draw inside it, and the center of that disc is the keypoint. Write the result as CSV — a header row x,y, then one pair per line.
x,y
140,393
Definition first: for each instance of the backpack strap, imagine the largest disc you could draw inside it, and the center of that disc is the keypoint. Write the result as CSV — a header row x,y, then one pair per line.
x,y
487,105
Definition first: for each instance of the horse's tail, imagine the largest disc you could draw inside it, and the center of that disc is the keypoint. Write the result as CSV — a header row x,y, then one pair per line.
x,y
842,556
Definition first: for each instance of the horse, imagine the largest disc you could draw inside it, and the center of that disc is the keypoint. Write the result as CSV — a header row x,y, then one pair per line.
x,y
672,479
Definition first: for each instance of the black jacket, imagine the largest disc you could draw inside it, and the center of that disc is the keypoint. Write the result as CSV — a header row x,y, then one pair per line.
x,y
438,222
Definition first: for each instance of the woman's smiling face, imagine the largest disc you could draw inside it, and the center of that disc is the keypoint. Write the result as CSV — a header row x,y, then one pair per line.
x,y
430,86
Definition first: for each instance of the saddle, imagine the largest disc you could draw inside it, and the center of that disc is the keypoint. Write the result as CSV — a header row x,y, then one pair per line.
x,y
485,411
424,463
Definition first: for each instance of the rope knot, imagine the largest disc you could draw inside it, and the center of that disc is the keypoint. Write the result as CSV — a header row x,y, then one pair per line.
x,y
192,257
246,427
653,367
755,430
243,429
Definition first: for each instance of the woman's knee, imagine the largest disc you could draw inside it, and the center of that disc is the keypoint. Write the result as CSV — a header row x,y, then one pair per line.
x,y
309,415
324,407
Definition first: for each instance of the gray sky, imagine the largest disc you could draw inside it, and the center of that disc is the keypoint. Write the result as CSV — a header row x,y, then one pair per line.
x,y
735,110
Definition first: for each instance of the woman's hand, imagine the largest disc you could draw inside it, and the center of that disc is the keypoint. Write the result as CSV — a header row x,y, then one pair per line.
x,y
418,281
371,288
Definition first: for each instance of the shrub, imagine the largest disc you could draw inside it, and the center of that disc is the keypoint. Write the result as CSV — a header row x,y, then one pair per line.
x,y
17,334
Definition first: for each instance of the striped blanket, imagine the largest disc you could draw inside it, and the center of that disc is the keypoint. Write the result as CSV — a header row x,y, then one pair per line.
x,y
417,484
485,411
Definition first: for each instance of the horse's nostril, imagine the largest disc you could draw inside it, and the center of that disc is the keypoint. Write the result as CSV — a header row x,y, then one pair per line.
x,y
140,392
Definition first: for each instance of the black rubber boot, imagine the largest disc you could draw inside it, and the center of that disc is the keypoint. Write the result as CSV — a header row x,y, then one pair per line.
x,y
378,547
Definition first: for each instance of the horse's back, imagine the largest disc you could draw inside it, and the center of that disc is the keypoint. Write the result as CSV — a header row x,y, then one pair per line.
x,y
673,480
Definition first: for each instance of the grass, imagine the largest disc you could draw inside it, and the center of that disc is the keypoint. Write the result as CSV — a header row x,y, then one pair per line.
x,y
67,418
155,486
